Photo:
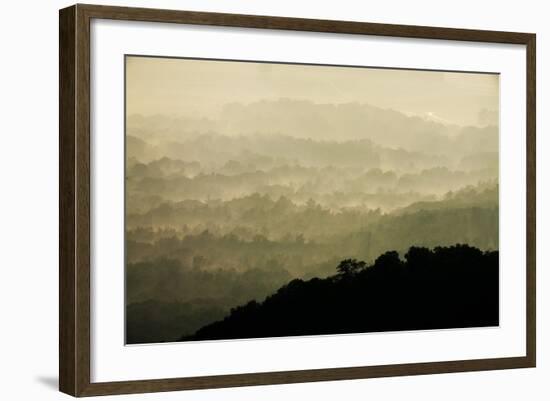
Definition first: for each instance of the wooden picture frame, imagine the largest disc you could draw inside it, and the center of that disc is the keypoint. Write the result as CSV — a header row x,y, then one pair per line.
x,y
74,203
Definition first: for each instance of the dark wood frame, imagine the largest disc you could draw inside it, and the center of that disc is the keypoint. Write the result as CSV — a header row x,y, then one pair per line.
x,y
74,199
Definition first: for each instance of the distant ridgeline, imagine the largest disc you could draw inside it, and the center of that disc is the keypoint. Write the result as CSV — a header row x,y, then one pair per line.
x,y
447,287
256,200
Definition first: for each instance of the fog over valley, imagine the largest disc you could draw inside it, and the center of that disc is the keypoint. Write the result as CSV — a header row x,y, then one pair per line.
x,y
284,179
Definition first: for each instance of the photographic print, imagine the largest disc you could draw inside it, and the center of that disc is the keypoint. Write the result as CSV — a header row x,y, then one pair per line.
x,y
267,199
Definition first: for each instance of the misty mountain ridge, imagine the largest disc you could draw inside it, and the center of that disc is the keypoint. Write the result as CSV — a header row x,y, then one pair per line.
x,y
256,215
306,119
260,152
223,210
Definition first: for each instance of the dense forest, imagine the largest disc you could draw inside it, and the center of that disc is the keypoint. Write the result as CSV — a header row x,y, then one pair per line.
x,y
269,197
448,287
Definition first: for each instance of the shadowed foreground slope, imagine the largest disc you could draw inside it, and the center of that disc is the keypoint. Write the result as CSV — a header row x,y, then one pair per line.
x,y
447,287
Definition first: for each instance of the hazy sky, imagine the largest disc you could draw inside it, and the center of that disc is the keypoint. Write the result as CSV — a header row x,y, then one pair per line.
x,y
200,88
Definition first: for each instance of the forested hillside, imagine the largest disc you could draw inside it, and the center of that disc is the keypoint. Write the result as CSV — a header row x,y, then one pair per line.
x,y
225,210
448,287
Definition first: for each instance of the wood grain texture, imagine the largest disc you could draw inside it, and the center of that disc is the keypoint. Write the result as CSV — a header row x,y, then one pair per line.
x,y
531,178
301,24
83,200
302,376
67,265
74,199
74,206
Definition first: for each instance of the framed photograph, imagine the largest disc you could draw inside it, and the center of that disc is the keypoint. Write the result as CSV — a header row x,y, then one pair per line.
x,y
250,200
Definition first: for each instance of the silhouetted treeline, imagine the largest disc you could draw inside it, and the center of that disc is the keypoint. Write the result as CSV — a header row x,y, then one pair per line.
x,y
226,209
331,185
301,241
180,279
282,219
447,287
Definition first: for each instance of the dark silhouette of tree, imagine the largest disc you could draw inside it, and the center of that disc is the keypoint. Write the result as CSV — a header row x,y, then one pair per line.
x,y
349,267
447,287
388,260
